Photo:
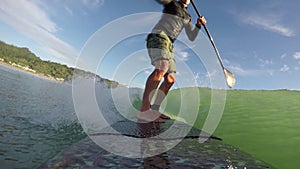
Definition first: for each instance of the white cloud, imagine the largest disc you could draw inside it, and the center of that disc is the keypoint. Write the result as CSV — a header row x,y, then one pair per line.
x,y
144,58
181,53
69,11
92,3
264,63
31,20
196,77
148,71
211,75
225,61
267,22
285,68
28,13
270,72
238,70
297,55
283,56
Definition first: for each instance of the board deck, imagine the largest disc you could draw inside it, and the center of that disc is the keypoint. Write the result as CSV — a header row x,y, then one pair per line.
x,y
189,153
130,128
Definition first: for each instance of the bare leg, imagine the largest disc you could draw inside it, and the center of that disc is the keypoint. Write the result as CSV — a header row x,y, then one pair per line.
x,y
151,85
164,88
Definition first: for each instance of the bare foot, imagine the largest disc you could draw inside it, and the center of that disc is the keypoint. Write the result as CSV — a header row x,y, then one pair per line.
x,y
150,116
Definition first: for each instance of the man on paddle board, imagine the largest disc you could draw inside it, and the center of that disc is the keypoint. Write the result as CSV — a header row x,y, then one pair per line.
x,y
160,41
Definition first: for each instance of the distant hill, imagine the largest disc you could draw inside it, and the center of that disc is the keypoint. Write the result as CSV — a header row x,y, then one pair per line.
x,y
23,58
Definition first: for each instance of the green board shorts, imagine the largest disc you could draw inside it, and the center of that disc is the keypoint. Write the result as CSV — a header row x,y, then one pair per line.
x,y
160,47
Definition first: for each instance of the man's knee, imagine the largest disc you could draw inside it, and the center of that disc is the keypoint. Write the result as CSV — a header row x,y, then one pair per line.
x,y
170,78
157,75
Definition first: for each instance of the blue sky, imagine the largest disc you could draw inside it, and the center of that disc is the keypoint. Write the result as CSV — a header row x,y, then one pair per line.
x,y
258,40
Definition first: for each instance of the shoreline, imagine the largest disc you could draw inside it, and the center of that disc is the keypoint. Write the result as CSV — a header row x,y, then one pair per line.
x,y
39,75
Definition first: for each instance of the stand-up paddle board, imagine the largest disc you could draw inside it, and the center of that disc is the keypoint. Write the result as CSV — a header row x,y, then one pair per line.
x,y
189,153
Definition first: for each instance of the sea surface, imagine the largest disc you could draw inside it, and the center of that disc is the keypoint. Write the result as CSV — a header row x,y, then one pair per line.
x,y
37,119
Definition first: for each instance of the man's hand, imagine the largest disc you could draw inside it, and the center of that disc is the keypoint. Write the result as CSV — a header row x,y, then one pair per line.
x,y
201,21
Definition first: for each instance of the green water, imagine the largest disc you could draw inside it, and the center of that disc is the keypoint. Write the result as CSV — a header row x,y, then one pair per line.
x,y
265,124
38,121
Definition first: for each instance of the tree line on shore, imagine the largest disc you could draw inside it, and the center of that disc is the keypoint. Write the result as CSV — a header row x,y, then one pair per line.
x,y
24,58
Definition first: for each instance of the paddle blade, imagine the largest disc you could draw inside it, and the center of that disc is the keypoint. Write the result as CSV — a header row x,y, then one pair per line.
x,y
230,80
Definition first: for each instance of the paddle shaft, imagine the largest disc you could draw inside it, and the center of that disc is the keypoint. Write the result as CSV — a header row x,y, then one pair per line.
x,y
209,36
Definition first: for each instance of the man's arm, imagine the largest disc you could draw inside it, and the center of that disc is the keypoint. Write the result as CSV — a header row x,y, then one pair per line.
x,y
192,31
164,2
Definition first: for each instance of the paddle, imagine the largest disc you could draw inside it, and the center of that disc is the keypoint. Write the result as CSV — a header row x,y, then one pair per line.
x,y
230,80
